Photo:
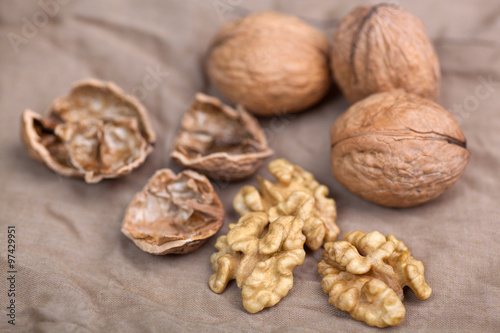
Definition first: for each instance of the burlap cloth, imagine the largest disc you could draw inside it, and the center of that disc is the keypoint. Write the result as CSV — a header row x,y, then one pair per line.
x,y
78,273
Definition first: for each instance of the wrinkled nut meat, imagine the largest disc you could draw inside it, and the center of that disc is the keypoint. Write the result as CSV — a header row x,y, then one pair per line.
x,y
365,275
219,141
397,149
96,132
173,213
381,48
271,63
261,257
296,193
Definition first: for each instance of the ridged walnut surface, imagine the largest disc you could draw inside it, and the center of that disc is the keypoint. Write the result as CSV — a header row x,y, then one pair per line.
x,y
219,141
173,213
296,193
96,132
397,149
365,275
381,48
261,256
271,63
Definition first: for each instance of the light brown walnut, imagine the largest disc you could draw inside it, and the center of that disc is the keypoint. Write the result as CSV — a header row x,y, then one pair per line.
x,y
219,141
296,193
397,149
381,48
271,63
96,132
261,256
365,275
173,213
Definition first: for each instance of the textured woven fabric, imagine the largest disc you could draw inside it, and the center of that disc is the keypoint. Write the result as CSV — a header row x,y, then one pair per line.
x,y
77,273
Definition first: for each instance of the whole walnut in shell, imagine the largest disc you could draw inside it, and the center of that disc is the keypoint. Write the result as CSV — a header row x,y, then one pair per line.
x,y
96,132
173,213
381,48
397,149
270,63
219,141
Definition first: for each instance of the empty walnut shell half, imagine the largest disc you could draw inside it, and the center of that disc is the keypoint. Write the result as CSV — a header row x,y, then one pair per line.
x,y
397,149
381,48
270,63
96,132
173,213
219,141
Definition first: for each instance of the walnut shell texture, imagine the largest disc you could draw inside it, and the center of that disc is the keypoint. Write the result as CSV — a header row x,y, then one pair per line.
x,y
173,213
96,132
397,149
381,48
219,141
271,63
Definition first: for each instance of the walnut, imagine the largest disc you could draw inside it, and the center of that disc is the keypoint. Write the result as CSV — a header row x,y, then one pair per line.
x,y
365,275
173,213
270,62
381,48
95,132
397,149
261,257
297,193
220,141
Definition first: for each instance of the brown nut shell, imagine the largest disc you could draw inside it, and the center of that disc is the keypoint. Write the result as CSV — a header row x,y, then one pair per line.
x,y
173,213
219,141
397,149
381,48
96,132
270,63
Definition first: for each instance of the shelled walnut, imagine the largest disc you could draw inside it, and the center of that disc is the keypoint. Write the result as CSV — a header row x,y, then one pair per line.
x,y
96,132
296,193
261,256
381,48
270,62
219,141
397,149
173,213
365,275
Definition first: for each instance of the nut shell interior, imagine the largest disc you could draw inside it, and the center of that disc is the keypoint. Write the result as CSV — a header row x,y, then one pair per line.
x,y
219,141
173,213
96,132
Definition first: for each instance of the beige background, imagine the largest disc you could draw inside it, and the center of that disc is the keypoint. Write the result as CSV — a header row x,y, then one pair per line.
x,y
78,273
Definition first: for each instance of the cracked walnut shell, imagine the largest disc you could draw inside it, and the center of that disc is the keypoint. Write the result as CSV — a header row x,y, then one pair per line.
x,y
270,63
96,132
261,256
296,193
219,141
365,275
173,213
397,149
381,48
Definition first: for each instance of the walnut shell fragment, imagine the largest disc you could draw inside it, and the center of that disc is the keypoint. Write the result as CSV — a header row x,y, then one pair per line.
x,y
219,141
270,62
96,132
296,193
173,213
261,256
397,149
381,48
365,275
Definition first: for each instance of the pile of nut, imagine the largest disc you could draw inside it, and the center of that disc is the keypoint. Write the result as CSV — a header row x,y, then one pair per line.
x,y
394,146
